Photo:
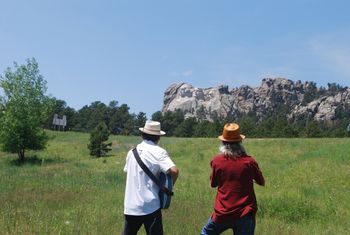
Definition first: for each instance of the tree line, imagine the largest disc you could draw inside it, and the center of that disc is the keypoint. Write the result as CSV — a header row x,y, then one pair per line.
x,y
26,110
120,121
276,125
118,118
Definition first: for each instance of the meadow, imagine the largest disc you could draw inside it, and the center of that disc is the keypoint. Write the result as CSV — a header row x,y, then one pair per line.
x,y
63,190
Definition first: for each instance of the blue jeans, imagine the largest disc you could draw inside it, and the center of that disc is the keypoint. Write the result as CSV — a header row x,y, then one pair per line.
x,y
241,226
152,222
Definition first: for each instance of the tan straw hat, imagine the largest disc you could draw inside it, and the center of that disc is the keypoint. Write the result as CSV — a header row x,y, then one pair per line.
x,y
152,128
231,133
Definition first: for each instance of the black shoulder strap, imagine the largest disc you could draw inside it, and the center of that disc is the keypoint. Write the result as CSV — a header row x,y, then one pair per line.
x,y
150,174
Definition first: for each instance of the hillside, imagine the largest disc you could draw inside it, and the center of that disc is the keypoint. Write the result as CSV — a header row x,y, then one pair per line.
x,y
63,190
300,100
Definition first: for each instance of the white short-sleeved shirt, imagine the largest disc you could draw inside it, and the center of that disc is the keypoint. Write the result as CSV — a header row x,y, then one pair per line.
x,y
141,193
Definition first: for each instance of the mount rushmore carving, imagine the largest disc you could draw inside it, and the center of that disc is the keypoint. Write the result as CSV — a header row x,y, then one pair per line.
x,y
302,100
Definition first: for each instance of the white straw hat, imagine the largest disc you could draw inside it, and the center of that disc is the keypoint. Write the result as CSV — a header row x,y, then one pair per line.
x,y
152,128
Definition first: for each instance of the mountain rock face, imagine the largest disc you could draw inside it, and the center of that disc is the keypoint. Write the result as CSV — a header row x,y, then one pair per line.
x,y
209,103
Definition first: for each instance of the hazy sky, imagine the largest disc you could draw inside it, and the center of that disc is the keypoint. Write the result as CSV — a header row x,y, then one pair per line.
x,y
131,51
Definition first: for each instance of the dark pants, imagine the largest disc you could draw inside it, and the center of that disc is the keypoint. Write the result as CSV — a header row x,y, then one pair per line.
x,y
152,222
241,226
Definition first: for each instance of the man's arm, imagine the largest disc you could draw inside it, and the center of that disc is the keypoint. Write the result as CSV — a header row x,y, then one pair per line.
x,y
174,172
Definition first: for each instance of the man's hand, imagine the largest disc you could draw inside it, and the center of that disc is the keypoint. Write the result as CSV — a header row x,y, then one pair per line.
x,y
174,172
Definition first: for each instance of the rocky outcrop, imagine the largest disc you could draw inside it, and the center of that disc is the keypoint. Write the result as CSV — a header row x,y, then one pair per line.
x,y
263,100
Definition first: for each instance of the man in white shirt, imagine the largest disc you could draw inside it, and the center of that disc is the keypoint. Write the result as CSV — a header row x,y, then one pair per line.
x,y
141,202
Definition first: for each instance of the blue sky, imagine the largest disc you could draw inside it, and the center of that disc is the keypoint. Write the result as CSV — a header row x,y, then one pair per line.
x,y
131,51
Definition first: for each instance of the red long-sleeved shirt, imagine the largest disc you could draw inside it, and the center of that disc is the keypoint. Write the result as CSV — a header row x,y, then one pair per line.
x,y
234,178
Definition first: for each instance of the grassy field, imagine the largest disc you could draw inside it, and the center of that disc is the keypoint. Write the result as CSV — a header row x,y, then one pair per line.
x,y
63,190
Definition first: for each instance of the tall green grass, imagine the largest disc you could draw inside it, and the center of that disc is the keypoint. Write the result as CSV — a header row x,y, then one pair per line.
x,y
62,190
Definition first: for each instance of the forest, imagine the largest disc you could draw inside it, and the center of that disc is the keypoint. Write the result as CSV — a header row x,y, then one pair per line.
x,y
120,121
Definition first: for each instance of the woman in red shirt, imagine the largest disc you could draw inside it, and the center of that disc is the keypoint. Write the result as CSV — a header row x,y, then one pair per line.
x,y
233,173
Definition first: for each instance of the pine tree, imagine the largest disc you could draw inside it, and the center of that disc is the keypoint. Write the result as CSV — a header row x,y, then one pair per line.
x,y
98,136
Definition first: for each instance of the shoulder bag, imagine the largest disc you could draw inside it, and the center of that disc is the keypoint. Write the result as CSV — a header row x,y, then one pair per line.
x,y
165,182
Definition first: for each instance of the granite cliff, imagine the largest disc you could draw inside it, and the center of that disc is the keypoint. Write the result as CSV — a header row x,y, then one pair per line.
x,y
301,99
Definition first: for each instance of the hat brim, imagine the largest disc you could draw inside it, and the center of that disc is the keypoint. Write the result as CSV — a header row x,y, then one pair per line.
x,y
242,137
151,132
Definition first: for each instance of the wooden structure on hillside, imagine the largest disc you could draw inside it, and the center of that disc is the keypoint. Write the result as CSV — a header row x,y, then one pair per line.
x,y
59,123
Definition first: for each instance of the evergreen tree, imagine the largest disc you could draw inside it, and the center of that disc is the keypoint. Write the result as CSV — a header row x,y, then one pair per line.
x,y
186,128
248,125
203,129
121,121
98,136
157,116
171,120
334,88
140,119
312,129
311,93
97,114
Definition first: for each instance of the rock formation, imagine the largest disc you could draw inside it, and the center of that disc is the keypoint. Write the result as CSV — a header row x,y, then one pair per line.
x,y
208,103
